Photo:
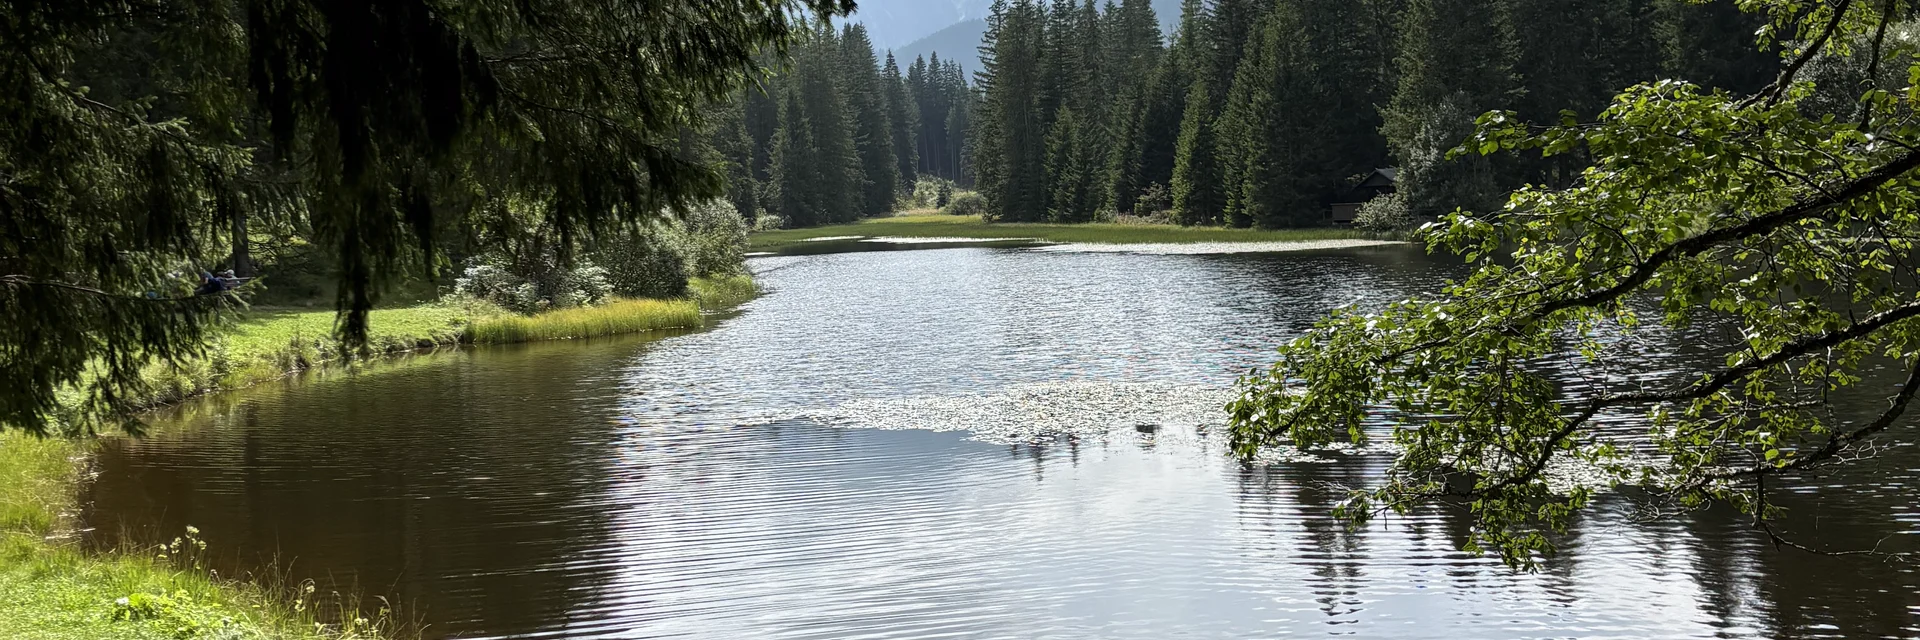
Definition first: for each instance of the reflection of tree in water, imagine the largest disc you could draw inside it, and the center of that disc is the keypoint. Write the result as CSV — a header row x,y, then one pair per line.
x,y
1275,498
1861,595
1335,551
398,496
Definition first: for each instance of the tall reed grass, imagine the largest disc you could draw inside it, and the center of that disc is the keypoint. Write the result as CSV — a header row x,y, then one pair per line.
x,y
617,317
720,292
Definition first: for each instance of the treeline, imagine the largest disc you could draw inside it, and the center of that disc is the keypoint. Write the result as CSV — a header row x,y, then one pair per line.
x,y
837,134
1264,112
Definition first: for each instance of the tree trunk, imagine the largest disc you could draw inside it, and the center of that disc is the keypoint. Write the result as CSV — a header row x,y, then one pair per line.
x,y
242,262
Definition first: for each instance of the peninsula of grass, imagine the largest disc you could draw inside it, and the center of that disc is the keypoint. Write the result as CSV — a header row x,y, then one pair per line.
x,y
268,344
935,225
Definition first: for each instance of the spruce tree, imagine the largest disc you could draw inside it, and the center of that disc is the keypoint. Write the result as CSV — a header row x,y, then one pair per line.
x,y
1071,170
795,165
1198,196
1711,44
903,122
1456,62
861,89
1009,146
381,126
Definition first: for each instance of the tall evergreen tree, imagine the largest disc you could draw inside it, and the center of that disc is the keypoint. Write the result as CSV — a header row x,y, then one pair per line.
x,y
1711,44
1009,142
819,170
1456,61
860,86
903,122
1198,195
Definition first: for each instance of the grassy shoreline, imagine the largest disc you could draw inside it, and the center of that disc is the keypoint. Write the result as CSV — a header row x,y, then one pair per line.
x,y
919,225
269,344
51,589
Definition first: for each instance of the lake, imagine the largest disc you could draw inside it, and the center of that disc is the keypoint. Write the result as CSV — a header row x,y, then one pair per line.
x,y
961,443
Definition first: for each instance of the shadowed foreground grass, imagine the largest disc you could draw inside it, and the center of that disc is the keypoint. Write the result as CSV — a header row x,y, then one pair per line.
x,y
52,590
945,226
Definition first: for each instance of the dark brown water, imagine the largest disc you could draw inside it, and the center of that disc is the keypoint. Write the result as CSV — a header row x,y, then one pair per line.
x,y
673,487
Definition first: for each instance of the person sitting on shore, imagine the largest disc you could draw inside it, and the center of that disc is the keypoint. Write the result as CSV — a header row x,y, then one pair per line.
x,y
209,285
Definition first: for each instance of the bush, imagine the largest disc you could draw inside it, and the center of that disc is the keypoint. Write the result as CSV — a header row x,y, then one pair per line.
x,y
1385,213
647,262
656,261
929,193
533,284
967,203
716,240
769,221
652,260
1155,201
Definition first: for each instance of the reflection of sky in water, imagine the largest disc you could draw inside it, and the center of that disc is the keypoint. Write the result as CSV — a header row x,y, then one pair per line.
x,y
608,490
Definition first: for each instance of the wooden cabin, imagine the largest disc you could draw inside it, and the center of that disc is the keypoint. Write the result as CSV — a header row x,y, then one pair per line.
x,y
1376,184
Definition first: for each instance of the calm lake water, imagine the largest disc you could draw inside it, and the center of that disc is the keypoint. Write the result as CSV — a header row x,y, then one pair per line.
x,y
717,485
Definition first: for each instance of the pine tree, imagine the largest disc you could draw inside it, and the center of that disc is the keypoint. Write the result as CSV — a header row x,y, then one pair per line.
x,y
734,153
860,86
818,169
1149,125
1009,143
383,126
761,115
1711,44
1198,196
1071,169
903,121
795,165
1456,61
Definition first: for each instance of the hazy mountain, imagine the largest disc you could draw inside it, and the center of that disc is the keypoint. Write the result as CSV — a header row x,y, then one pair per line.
x,y
953,28
958,42
895,23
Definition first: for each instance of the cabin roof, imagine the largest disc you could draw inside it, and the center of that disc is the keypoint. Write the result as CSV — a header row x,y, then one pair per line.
x,y
1386,177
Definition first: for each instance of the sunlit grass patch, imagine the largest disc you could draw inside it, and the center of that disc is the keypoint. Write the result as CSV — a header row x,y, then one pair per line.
x,y
613,318
720,292
36,480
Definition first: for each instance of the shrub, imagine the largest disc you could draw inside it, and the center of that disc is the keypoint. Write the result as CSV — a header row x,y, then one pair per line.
x,y
769,221
646,262
534,283
967,203
1384,213
716,240
1155,201
929,193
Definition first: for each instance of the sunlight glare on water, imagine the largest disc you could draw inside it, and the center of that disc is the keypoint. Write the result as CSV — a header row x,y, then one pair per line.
x,y
966,443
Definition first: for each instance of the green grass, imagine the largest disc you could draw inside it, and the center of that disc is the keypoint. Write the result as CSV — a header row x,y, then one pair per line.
x,y
51,590
613,318
721,292
268,344
945,226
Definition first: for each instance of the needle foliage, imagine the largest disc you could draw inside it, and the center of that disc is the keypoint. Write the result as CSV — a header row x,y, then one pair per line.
x,y
133,132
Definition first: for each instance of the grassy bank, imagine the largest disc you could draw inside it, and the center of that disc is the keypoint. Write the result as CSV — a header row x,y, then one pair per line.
x,y
51,590
268,344
945,226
